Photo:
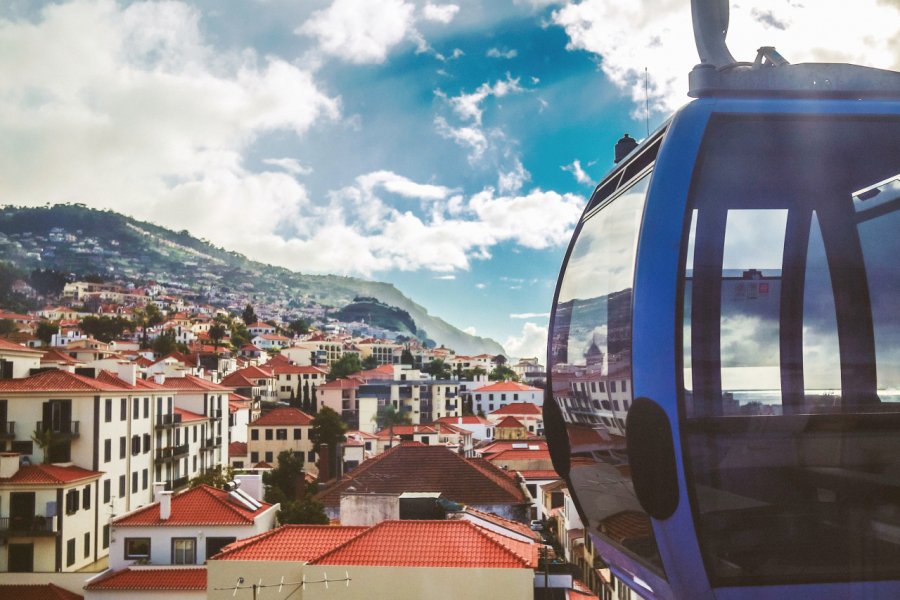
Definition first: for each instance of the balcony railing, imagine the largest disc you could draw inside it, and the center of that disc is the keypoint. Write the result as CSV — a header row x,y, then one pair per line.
x,y
176,484
212,442
71,429
167,420
171,452
28,525
215,413
7,429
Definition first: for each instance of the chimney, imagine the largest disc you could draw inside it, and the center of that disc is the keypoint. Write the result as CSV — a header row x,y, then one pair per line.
x,y
165,505
127,372
459,420
9,464
624,146
324,463
158,488
159,378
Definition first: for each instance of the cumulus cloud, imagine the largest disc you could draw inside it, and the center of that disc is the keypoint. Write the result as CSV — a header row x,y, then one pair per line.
x,y
445,277
576,170
291,165
498,53
657,34
531,342
130,108
365,32
529,315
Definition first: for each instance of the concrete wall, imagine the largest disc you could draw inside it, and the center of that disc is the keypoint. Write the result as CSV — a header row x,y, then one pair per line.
x,y
369,509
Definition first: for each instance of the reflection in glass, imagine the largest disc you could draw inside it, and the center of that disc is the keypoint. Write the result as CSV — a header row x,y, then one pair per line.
x,y
792,350
591,371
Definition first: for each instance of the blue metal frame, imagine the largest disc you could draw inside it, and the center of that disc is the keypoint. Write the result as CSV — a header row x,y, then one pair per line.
x,y
657,343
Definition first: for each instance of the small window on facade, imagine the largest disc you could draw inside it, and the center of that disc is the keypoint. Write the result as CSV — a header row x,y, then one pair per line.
x,y
70,552
146,408
86,498
281,434
105,537
107,450
87,544
144,477
122,489
134,482
254,457
107,413
298,433
123,446
268,434
107,491
136,548
254,434
123,409
136,408
269,457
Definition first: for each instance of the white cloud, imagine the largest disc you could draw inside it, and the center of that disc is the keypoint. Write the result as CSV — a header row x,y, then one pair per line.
x,y
440,13
529,315
402,186
531,342
510,182
291,165
445,277
537,220
576,170
468,106
472,138
657,34
130,108
497,53
480,286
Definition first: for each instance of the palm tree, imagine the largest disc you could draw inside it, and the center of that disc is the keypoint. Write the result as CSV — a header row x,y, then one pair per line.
x,y
44,438
390,417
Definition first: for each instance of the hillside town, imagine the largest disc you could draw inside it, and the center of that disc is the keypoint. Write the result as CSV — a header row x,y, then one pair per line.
x,y
153,445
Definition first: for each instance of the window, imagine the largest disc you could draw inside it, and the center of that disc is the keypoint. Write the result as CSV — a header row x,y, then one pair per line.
x,y
195,432
146,408
107,450
215,544
134,482
107,413
122,489
254,434
298,433
86,498
123,446
135,445
70,552
136,408
87,544
123,409
254,457
107,491
184,551
269,457
146,443
105,537
144,477
281,434
268,434
311,456
72,498
612,387
137,548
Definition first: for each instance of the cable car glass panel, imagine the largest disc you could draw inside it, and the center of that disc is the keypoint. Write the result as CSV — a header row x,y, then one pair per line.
x,y
791,349
590,363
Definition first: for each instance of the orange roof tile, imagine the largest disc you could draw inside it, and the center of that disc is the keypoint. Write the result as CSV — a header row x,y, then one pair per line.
x,y
290,542
237,449
202,505
416,467
514,526
187,415
519,408
510,422
37,592
521,454
49,475
507,386
430,544
7,345
288,369
285,415
193,383
340,384
55,380
151,578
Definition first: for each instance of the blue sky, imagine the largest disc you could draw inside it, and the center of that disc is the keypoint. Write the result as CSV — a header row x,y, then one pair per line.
x,y
444,146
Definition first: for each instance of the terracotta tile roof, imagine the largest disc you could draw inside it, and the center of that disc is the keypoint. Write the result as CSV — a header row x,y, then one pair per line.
x,y
202,505
49,475
7,345
188,416
507,386
501,445
288,369
406,430
415,467
340,384
521,454
468,420
626,526
236,380
514,526
37,592
519,408
539,474
431,544
54,355
55,380
151,578
254,372
510,422
380,373
285,415
192,383
290,542
112,379
237,449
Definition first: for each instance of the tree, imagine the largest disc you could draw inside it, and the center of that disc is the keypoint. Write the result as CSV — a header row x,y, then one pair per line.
x,y
438,369
216,477
44,438
391,417
217,334
471,374
370,362
298,327
306,404
305,511
499,360
313,403
282,481
328,428
345,365
503,373
45,331
406,357
165,343
8,326
249,315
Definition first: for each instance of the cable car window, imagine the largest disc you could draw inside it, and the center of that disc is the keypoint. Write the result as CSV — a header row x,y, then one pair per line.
x,y
590,353
791,349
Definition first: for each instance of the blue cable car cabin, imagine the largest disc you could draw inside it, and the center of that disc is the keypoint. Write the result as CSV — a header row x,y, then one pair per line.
x,y
724,350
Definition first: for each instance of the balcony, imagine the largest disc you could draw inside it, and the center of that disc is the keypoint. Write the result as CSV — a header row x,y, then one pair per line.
x,y
176,484
171,453
163,421
7,430
61,430
212,443
36,525
448,406
215,413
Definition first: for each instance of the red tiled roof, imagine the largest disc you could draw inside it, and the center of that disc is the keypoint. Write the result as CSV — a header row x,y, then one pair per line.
x,y
340,384
152,578
519,408
49,475
285,415
288,369
378,373
539,474
290,542
521,454
406,430
507,386
415,467
55,380
237,380
202,505
237,449
187,415
625,526
467,420
501,445
55,355
47,591
431,544
192,383
514,526
510,422
588,439
7,345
